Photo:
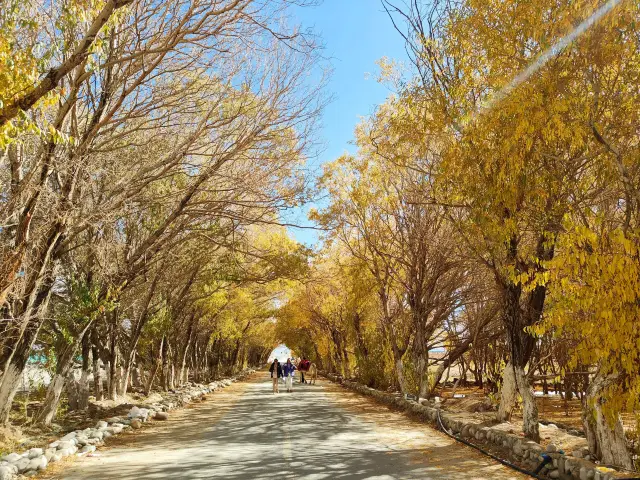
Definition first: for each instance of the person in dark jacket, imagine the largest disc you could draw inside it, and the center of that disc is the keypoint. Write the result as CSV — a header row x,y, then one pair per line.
x,y
276,374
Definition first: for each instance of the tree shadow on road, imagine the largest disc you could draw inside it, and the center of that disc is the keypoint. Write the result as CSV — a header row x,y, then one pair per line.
x,y
262,436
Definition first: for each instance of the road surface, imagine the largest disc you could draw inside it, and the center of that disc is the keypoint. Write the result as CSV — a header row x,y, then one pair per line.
x,y
246,432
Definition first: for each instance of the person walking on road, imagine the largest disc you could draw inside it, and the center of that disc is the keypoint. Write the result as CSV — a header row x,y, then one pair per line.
x,y
288,370
303,367
276,374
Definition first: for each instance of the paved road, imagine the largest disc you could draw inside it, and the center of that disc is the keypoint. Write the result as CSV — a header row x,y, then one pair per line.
x,y
246,432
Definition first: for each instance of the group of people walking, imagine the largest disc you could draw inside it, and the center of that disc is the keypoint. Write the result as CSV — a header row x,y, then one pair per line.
x,y
285,371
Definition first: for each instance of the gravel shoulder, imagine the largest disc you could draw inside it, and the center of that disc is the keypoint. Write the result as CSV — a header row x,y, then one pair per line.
x,y
316,432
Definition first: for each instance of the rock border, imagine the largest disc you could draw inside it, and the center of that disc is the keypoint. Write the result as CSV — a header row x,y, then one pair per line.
x,y
562,466
83,442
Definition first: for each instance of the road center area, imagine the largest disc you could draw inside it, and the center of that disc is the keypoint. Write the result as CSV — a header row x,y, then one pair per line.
x,y
317,432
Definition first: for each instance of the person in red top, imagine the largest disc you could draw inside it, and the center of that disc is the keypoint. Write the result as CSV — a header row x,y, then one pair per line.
x,y
304,367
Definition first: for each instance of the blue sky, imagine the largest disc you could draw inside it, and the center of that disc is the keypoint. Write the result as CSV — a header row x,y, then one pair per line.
x,y
355,33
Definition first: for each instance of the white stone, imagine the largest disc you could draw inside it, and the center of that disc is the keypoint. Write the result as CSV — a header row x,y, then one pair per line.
x,y
11,458
35,452
135,412
6,473
38,463
23,464
586,473
49,452
88,449
66,444
102,424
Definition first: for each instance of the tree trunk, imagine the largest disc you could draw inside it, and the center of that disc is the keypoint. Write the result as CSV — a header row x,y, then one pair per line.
x,y
400,375
463,376
126,372
508,394
107,377
114,355
13,371
165,365
113,375
423,376
183,372
530,425
18,358
156,368
347,364
63,370
97,371
83,402
73,393
121,382
568,388
195,358
606,438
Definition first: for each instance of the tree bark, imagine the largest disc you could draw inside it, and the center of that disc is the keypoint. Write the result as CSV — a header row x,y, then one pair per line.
x,y
113,363
400,375
97,371
508,394
606,438
83,402
530,425
17,362
63,370
185,350
156,367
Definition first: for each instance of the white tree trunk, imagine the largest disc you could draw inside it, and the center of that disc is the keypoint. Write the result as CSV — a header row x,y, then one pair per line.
x,y
123,386
83,390
400,375
97,379
107,380
436,379
50,406
122,379
423,376
508,394
530,425
73,391
8,389
137,379
607,441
